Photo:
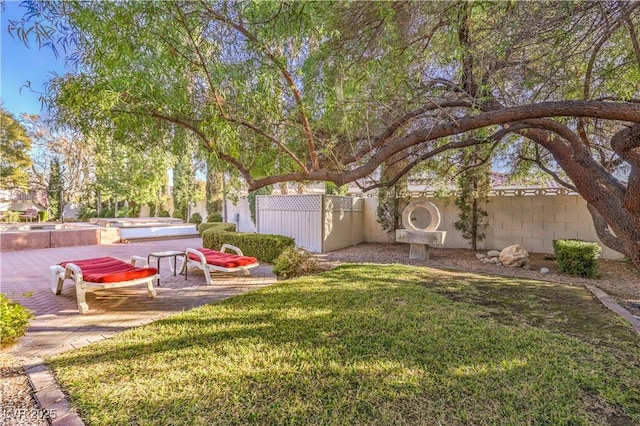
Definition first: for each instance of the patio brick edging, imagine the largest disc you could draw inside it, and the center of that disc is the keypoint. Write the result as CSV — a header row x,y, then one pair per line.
x,y
48,395
608,301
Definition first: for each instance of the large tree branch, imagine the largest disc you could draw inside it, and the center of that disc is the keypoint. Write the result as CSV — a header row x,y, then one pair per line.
x,y
548,136
496,137
603,232
403,121
604,110
626,143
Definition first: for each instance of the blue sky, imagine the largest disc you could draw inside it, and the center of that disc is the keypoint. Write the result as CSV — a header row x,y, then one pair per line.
x,y
21,64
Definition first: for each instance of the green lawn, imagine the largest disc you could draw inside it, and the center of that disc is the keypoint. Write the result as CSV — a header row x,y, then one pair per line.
x,y
369,344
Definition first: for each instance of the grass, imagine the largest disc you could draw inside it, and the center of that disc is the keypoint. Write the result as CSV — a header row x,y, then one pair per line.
x,y
369,344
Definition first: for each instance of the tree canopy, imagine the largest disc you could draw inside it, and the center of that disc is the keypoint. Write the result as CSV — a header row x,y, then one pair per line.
x,y
14,152
295,91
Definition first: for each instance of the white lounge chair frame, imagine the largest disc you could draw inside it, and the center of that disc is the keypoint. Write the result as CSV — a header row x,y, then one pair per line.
x,y
72,271
209,269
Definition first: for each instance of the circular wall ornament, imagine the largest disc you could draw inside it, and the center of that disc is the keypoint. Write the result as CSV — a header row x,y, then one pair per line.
x,y
427,205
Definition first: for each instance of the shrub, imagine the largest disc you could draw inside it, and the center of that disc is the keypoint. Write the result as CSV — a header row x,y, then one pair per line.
x,y
265,247
230,227
43,215
127,212
577,257
196,218
11,216
14,320
85,213
214,217
106,213
179,214
294,263
164,213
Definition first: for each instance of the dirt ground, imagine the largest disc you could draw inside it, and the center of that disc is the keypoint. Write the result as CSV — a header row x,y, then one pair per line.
x,y
617,278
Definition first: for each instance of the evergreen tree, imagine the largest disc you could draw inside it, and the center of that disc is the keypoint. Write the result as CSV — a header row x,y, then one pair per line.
x,y
266,190
474,185
55,188
391,197
214,189
185,186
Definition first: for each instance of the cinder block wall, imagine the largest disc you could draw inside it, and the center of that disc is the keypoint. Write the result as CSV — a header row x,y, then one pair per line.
x,y
531,221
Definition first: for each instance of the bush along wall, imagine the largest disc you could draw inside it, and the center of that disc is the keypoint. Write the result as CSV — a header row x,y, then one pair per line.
x,y
577,257
265,247
214,217
216,226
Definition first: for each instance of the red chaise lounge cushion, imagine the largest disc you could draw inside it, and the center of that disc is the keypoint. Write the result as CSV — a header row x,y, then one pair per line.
x,y
109,270
224,260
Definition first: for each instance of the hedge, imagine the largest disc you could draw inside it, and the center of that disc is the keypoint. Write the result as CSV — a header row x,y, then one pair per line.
x,y
217,226
214,217
265,247
14,321
577,257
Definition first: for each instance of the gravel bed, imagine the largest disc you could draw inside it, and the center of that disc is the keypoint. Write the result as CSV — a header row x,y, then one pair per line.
x,y
17,407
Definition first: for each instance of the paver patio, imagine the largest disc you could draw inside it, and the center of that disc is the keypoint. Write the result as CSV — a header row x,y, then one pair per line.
x,y
58,327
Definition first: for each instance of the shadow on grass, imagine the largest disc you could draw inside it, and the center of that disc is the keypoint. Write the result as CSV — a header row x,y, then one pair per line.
x,y
359,344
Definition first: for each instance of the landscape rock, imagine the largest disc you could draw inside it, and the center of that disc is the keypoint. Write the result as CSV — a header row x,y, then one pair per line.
x,y
480,256
514,256
544,270
493,253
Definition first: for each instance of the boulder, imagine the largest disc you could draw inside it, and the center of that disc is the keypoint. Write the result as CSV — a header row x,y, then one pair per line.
x,y
480,256
514,256
493,253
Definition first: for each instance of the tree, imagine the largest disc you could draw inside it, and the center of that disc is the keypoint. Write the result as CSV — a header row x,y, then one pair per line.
x,y
251,198
129,174
393,197
214,188
55,190
332,189
474,184
14,152
335,90
185,186
70,151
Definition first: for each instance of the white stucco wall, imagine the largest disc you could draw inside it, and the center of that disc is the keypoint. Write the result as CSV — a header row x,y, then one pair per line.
x,y
531,221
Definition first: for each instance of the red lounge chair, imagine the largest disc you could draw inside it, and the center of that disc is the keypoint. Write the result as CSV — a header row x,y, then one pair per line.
x,y
102,273
211,260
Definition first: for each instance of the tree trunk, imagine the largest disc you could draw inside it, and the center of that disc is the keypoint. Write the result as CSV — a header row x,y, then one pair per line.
x,y
474,224
611,204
